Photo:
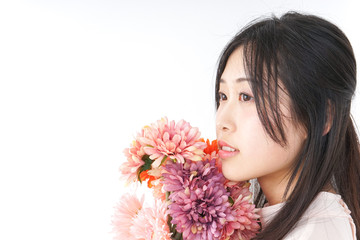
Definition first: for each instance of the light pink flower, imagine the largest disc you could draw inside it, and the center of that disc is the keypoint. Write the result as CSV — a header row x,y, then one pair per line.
x,y
177,141
134,154
126,211
151,223
158,191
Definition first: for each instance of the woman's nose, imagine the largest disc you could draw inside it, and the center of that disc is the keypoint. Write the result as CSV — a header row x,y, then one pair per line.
x,y
225,120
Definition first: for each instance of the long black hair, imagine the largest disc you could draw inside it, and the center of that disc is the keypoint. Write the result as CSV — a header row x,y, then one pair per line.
x,y
312,60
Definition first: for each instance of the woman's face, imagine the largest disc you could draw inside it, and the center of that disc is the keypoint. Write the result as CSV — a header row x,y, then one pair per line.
x,y
246,151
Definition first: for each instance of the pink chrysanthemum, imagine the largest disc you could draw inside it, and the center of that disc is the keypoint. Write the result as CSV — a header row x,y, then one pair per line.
x,y
134,154
199,200
245,225
126,211
177,141
151,223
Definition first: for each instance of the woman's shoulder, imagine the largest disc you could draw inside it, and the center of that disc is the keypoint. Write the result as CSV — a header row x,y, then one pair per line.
x,y
328,217
327,204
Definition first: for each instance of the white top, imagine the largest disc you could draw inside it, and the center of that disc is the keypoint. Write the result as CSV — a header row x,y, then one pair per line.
x,y
327,217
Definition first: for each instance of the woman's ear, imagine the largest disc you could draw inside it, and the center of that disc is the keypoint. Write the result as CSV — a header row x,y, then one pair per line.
x,y
329,118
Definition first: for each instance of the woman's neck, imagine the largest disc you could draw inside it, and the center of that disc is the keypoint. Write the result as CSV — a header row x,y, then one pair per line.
x,y
274,188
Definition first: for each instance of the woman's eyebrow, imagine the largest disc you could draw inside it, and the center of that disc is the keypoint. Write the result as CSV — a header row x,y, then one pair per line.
x,y
237,80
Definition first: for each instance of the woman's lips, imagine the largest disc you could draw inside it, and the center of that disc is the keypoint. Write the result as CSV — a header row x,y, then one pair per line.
x,y
226,150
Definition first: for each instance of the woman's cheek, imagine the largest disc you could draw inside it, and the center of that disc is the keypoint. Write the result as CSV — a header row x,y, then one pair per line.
x,y
255,143
252,131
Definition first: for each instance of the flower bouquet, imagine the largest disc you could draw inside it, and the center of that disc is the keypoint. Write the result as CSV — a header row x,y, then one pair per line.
x,y
193,200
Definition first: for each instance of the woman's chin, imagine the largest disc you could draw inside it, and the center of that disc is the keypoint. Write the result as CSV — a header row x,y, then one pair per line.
x,y
234,176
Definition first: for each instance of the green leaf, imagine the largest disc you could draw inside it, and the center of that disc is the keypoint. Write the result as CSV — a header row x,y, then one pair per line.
x,y
148,162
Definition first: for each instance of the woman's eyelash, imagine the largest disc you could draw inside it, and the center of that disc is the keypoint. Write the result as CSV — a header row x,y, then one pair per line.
x,y
244,97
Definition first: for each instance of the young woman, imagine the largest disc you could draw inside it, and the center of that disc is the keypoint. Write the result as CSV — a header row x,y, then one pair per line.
x,y
283,93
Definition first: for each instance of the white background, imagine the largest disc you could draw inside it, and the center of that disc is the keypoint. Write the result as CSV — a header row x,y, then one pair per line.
x,y
78,79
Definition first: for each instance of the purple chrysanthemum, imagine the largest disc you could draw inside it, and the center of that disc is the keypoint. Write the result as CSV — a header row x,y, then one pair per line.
x,y
199,200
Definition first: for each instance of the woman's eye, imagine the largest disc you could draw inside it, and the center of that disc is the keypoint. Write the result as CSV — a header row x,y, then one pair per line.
x,y
244,97
222,96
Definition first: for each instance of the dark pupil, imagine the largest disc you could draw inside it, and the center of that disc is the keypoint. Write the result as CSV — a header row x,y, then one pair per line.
x,y
246,97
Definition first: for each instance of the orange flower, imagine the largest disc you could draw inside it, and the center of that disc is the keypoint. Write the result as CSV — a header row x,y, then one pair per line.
x,y
210,147
145,176
211,152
